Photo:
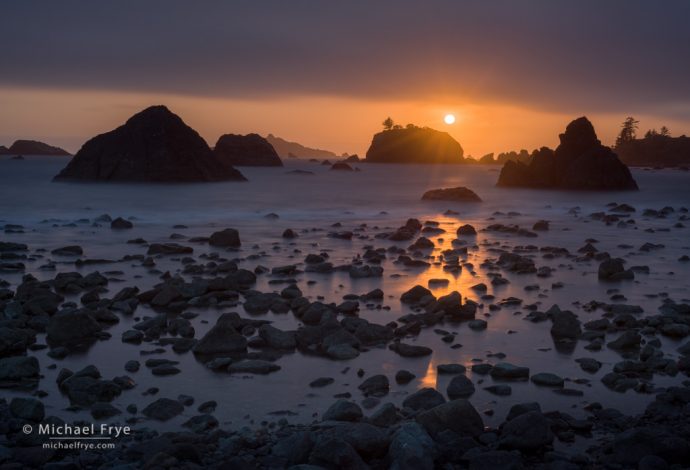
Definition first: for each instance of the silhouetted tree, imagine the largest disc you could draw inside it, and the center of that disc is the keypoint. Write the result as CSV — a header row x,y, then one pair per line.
x,y
410,126
388,124
651,133
628,131
664,132
397,126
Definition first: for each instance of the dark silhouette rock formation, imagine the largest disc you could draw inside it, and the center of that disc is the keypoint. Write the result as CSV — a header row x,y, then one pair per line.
x,y
451,194
414,145
246,150
579,162
340,166
154,145
32,147
656,151
287,149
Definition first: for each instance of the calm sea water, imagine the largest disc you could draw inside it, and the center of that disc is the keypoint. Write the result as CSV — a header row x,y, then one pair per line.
x,y
382,197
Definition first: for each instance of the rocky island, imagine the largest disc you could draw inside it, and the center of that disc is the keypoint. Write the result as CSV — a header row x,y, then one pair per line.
x,y
154,145
32,147
246,150
414,144
579,162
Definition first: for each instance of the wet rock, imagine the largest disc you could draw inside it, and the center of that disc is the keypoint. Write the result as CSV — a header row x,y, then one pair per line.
x,y
612,269
411,448
222,338
631,446
565,325
589,364
342,352
376,385
460,387
385,416
336,453
541,225
499,390
458,416
72,327
459,193
466,230
253,366
415,294
163,409
424,399
29,409
452,369
121,224
168,249
321,382
341,166
103,411
630,339
529,431
404,377
72,250
409,350
277,339
343,410
289,234
507,371
547,379
225,238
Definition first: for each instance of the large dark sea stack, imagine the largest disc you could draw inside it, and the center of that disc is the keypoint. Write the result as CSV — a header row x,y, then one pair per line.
x,y
33,147
579,162
154,145
414,145
246,150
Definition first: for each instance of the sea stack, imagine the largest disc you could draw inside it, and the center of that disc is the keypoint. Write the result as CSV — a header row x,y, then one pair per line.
x,y
579,162
414,145
246,150
154,145
33,147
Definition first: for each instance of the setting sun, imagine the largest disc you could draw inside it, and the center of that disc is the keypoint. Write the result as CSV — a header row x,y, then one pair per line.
x,y
449,119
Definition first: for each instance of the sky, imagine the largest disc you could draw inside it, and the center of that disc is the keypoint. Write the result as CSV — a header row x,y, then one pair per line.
x,y
326,74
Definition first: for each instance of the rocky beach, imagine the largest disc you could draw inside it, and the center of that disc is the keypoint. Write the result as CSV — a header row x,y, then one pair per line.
x,y
251,326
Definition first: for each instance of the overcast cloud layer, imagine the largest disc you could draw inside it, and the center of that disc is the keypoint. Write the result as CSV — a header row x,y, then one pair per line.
x,y
605,55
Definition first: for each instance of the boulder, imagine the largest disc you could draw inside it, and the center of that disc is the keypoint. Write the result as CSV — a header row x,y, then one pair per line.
x,y
458,416
579,162
69,328
29,409
507,371
18,371
612,269
246,150
163,409
221,339
424,399
459,193
527,432
460,387
225,238
414,145
153,145
343,410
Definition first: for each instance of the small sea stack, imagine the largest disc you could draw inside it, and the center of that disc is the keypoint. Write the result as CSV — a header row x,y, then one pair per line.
x,y
246,150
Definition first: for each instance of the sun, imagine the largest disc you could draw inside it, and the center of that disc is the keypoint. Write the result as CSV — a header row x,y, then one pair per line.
x,y
449,119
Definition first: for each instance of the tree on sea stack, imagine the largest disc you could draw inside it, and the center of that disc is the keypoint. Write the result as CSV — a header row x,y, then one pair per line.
x,y
628,131
388,124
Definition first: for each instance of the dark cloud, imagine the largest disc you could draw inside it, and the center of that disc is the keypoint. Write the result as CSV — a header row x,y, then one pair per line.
x,y
591,55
